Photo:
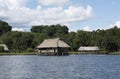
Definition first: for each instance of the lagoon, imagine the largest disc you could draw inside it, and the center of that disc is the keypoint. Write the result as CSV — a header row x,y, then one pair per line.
x,y
60,67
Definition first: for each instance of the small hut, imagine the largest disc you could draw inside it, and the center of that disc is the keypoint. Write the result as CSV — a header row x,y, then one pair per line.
x,y
85,49
53,47
5,47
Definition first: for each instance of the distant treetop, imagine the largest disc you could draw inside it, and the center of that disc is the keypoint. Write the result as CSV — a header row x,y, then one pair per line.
x,y
4,27
50,30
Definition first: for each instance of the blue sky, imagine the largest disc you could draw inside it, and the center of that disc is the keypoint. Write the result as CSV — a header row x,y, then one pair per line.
x,y
106,14
76,14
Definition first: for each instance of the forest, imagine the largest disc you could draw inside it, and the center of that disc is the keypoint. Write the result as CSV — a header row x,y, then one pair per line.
x,y
107,40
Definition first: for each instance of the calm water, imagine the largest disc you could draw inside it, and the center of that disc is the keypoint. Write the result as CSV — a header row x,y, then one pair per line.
x,y
63,67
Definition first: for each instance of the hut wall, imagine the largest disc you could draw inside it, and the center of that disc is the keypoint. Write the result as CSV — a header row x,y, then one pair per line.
x,y
63,51
53,51
47,51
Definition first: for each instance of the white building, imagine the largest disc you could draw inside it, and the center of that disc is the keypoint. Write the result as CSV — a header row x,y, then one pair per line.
x,y
5,47
88,49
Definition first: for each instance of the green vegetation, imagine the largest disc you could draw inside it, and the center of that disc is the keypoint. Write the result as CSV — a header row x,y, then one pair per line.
x,y
115,53
4,27
84,53
17,53
108,40
1,49
50,31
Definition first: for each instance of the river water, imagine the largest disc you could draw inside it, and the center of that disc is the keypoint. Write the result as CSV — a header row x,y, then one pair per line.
x,y
60,67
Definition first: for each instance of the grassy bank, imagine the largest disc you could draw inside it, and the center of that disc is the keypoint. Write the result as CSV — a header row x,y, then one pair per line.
x,y
77,53
17,53
100,52
82,53
115,53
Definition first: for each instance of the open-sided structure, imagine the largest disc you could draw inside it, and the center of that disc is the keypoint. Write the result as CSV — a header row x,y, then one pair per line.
x,y
53,47
88,49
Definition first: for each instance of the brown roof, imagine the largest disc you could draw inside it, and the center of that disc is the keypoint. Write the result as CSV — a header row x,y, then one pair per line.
x,y
53,43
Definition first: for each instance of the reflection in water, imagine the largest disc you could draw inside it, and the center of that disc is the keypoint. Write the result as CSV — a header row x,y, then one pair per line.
x,y
63,67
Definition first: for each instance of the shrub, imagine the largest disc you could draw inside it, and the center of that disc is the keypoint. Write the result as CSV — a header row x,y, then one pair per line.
x,y
29,50
1,49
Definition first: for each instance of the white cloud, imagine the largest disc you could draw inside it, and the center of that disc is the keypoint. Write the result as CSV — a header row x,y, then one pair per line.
x,y
17,29
117,24
78,13
13,3
86,28
17,14
53,2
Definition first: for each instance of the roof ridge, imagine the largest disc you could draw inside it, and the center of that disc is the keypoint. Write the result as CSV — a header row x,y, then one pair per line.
x,y
55,42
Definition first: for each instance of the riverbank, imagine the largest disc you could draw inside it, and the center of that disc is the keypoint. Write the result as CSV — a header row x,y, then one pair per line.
x,y
77,53
23,53
101,52
115,53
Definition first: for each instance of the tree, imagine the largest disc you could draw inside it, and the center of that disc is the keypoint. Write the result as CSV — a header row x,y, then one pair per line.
x,y
1,49
37,29
51,30
69,39
4,27
112,39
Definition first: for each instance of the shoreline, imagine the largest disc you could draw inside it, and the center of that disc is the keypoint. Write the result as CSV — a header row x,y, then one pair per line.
x,y
9,53
70,53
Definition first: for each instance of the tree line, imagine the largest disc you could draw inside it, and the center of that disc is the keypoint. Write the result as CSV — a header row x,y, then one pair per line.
x,y
107,40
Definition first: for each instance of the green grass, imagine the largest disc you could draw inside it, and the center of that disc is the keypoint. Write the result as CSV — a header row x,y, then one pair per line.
x,y
100,52
17,53
82,53
33,53
115,53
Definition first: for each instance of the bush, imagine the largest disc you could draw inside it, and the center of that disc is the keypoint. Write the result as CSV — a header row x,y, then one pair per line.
x,y
29,50
1,49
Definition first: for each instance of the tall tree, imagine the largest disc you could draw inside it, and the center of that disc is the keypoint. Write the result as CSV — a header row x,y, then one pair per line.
x,y
4,27
51,30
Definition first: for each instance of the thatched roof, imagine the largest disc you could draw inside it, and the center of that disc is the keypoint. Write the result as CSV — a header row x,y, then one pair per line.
x,y
53,43
94,48
5,47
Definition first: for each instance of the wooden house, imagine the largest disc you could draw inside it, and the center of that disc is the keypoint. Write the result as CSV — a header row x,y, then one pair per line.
x,y
86,49
53,47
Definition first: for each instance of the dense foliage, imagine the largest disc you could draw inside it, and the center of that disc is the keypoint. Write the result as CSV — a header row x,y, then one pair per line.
x,y
1,49
107,40
21,41
51,30
4,27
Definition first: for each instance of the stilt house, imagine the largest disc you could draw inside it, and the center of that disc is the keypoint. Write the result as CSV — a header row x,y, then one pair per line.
x,y
53,47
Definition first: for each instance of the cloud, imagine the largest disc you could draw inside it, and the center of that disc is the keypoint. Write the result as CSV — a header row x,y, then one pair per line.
x,y
18,15
17,29
117,24
86,28
53,2
12,3
78,13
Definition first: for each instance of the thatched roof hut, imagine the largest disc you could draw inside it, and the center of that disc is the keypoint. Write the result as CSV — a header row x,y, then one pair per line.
x,y
5,47
89,48
53,46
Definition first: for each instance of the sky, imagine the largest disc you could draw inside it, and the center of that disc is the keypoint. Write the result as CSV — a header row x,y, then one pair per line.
x,y
85,15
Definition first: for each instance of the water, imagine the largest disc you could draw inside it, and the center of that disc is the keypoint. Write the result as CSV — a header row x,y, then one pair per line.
x,y
63,67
